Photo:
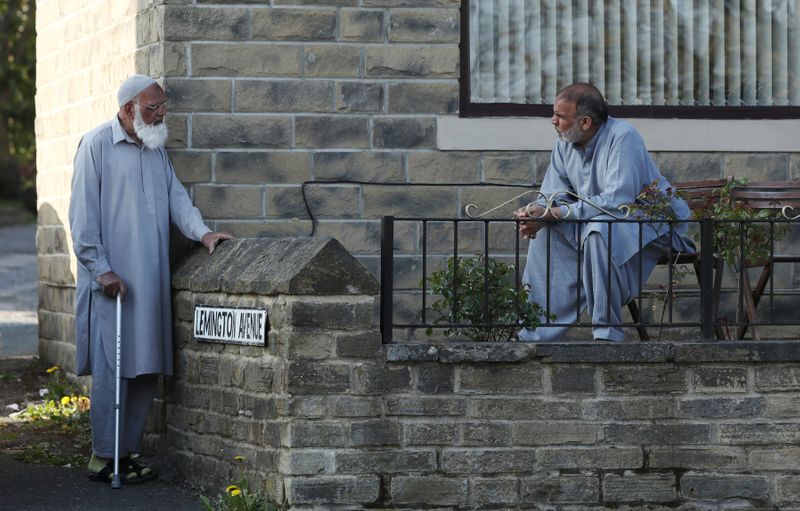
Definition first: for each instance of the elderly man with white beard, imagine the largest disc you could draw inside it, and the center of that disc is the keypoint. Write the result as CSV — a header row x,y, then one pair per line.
x,y
124,196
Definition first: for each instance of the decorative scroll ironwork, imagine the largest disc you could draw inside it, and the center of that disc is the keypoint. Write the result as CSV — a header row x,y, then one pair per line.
x,y
550,202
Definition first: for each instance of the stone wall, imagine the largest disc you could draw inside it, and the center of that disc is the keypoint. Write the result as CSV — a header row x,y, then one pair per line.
x,y
266,95
328,418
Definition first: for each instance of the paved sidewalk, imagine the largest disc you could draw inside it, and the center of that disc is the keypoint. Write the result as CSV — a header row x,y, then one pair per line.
x,y
19,284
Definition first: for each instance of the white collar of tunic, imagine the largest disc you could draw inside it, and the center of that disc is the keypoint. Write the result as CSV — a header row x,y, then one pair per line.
x,y
118,133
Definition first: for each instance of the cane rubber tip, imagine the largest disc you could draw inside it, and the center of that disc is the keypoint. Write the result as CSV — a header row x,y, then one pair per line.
x,y
116,482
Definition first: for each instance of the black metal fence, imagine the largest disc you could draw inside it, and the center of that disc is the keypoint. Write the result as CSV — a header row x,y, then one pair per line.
x,y
689,293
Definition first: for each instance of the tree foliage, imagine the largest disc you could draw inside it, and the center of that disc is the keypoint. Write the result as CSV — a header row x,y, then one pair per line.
x,y
17,90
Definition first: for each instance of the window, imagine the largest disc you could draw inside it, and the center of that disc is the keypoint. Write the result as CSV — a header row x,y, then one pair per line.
x,y
650,58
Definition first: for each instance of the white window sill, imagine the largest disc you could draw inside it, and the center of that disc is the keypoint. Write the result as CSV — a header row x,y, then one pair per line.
x,y
679,135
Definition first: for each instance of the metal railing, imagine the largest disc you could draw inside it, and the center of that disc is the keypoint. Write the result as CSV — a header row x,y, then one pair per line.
x,y
412,248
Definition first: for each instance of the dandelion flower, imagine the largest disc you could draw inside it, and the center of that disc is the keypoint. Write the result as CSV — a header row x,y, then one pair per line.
x,y
232,488
83,403
65,401
51,370
239,458
236,492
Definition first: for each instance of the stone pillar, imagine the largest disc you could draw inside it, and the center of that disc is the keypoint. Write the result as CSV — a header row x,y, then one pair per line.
x,y
272,405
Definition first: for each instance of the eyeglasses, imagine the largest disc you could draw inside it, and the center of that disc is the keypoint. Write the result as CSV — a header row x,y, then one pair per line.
x,y
153,108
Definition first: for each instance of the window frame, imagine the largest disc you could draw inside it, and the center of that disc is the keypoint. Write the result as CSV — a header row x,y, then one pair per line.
x,y
467,109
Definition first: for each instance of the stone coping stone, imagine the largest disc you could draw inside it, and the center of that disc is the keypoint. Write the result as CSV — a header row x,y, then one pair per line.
x,y
594,352
275,266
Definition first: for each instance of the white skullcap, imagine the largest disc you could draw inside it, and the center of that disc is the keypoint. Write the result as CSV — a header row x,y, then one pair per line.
x,y
132,87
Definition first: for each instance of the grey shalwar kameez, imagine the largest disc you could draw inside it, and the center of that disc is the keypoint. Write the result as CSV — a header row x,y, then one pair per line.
x,y
609,171
123,199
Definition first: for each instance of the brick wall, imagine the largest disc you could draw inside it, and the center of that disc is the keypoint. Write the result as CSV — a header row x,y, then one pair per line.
x,y
328,418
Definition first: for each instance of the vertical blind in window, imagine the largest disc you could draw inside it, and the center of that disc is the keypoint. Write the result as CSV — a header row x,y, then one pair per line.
x,y
637,52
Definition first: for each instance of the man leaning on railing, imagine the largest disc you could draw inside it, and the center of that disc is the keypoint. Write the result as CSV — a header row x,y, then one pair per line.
x,y
598,165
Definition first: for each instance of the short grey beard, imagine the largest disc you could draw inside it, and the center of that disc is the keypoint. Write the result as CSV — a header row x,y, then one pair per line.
x,y
572,135
152,136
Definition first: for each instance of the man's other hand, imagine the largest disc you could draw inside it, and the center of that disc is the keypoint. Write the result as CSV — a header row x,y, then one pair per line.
x,y
529,228
112,285
211,239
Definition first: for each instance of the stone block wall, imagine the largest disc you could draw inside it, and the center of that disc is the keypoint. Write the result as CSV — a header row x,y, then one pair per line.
x,y
266,95
329,418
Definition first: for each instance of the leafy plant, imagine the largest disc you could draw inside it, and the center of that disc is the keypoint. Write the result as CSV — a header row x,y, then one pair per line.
x,y
480,300
654,203
239,497
17,91
735,226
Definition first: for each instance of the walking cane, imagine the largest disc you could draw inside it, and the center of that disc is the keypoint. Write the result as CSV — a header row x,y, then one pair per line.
x,y
116,483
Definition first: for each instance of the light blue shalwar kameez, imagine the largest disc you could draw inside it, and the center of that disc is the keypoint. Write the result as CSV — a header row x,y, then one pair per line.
x,y
123,199
610,171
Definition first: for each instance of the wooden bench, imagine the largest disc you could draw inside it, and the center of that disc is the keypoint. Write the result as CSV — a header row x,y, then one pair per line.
x,y
777,196
698,195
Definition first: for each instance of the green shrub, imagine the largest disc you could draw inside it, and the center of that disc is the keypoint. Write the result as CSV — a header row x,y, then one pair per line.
x,y
485,300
